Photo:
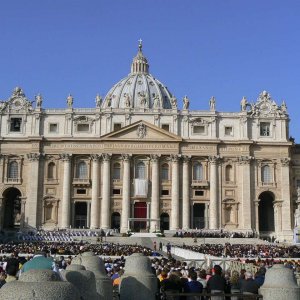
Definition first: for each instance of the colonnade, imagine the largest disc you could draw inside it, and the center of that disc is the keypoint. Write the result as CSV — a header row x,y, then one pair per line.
x,y
101,210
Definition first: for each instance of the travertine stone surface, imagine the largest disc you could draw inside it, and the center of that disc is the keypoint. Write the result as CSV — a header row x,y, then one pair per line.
x,y
95,264
280,284
138,282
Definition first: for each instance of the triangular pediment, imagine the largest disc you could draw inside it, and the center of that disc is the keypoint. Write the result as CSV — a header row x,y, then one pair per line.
x,y
142,131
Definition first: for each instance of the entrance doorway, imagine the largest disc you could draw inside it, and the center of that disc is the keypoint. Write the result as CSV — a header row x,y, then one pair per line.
x,y
266,212
12,209
80,215
140,211
198,215
164,222
115,220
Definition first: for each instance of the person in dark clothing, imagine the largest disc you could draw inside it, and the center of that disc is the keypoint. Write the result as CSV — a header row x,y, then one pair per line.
x,y
172,284
216,283
193,286
249,285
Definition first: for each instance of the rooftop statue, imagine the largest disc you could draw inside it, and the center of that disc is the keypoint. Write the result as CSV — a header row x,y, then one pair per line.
x,y
70,101
186,102
98,100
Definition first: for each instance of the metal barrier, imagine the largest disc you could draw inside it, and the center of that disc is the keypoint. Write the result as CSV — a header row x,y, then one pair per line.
x,y
206,296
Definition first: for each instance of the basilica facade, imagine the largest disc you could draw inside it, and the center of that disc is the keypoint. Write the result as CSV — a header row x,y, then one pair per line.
x,y
136,161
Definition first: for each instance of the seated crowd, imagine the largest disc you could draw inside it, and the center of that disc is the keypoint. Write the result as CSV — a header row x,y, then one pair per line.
x,y
60,235
246,250
206,233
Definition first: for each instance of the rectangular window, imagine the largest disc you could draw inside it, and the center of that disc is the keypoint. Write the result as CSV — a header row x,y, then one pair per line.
x,y
83,127
265,129
81,191
116,192
117,126
199,193
228,131
165,192
53,127
165,127
199,129
15,124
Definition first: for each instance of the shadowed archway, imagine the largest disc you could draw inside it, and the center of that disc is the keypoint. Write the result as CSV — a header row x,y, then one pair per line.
x,y
266,212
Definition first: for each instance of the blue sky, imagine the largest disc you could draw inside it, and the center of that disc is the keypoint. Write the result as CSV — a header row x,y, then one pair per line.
x,y
222,48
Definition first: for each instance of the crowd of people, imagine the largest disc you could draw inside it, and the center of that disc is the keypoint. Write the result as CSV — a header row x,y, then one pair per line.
x,y
246,250
61,235
206,233
75,248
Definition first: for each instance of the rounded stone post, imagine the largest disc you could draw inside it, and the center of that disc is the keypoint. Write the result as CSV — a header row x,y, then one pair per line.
x,y
138,282
279,284
39,284
95,264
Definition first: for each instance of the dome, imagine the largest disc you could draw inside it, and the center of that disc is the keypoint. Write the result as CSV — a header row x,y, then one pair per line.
x,y
139,89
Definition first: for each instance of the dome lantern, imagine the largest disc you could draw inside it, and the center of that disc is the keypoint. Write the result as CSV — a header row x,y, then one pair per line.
x,y
140,63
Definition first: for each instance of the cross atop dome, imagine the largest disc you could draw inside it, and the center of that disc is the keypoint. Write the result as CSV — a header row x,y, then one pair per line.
x,y
140,44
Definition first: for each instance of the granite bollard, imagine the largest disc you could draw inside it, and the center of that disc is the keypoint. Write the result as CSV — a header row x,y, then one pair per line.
x,y
279,284
39,284
83,280
95,264
138,281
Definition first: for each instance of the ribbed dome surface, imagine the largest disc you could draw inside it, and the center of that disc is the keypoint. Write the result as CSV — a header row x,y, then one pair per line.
x,y
139,89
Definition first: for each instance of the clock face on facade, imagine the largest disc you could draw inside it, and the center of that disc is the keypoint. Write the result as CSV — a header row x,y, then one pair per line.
x,y
265,108
17,104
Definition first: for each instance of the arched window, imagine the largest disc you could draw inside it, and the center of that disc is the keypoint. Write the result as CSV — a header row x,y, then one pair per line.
x,y
229,173
117,171
140,171
165,172
82,170
197,171
266,174
13,170
51,170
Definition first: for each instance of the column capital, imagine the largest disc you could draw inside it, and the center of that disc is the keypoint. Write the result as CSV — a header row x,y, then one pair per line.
x,y
285,161
106,156
65,156
34,156
214,159
95,157
126,157
175,157
245,159
186,159
154,157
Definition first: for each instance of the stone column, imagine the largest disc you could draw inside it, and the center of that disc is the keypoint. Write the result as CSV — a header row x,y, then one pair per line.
x,y
206,216
185,194
95,192
105,206
256,205
154,213
175,193
66,194
126,193
88,215
213,206
33,200
245,176
1,212
286,196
